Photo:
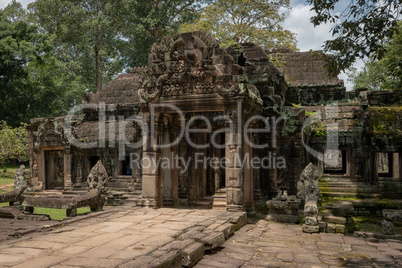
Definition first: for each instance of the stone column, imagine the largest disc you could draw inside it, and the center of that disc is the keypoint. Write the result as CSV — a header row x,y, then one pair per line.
x,y
256,172
234,171
68,184
400,165
248,176
166,170
373,166
350,162
151,183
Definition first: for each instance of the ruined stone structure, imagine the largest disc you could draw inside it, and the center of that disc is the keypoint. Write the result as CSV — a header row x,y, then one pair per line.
x,y
192,83
97,181
20,184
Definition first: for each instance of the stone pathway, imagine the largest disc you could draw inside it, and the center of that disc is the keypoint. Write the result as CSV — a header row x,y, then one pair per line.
x,y
128,237
140,237
270,244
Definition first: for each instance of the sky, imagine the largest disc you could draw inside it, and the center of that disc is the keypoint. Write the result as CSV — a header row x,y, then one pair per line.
x,y
297,21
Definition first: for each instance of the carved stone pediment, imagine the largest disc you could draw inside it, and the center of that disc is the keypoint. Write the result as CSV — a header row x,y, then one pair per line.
x,y
189,63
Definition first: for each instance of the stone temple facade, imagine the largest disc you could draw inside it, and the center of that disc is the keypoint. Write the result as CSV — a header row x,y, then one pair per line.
x,y
160,128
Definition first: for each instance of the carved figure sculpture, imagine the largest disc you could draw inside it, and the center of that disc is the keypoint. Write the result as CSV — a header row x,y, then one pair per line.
x,y
20,184
308,190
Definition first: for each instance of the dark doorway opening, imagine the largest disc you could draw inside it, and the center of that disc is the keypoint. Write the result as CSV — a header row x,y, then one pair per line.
x,y
54,163
335,161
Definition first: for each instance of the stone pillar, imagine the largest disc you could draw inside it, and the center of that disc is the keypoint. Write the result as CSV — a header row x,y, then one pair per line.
x,y
151,183
256,173
373,169
400,165
350,162
395,165
234,171
166,170
248,176
68,184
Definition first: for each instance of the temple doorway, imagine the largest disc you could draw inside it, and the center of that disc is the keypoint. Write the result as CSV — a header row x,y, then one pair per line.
x,y
216,166
54,162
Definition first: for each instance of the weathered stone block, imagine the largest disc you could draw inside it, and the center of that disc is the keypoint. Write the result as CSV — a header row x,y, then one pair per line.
x,y
234,177
392,214
170,260
192,254
210,240
311,221
148,186
310,228
387,227
311,209
339,229
239,219
334,219
234,196
283,218
323,226
227,229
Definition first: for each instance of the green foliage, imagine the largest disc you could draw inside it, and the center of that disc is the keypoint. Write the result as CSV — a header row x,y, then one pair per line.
x,y
146,22
238,21
385,73
13,143
85,35
360,30
33,83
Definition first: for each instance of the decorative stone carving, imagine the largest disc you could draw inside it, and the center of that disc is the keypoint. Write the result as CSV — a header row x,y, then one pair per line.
x,y
308,190
387,227
20,181
283,208
307,185
192,63
98,178
20,184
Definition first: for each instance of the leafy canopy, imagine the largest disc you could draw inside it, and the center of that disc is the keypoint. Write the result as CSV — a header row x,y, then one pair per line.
x,y
13,143
33,83
146,22
385,73
360,30
239,21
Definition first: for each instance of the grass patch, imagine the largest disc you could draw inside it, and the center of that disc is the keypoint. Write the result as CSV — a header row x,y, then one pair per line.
x,y
7,177
58,214
5,204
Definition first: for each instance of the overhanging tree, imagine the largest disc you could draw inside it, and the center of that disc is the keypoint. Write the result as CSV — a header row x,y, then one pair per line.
x,y
239,21
361,29
385,73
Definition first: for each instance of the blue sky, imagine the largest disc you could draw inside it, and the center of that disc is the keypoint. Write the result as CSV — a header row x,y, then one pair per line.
x,y
298,21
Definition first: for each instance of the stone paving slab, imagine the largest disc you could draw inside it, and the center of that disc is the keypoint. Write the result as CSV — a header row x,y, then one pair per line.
x,y
285,245
140,237
128,237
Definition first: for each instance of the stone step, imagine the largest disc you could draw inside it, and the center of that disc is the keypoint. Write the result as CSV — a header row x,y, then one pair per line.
x,y
345,184
350,195
334,219
347,190
219,204
204,204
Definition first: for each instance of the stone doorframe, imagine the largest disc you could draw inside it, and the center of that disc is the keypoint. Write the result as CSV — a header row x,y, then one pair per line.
x,y
239,182
41,163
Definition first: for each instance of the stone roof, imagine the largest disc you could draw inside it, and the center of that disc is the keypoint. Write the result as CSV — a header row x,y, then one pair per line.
x,y
88,131
122,90
306,68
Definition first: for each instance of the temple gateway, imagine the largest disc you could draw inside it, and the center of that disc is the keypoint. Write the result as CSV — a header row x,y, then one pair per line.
x,y
207,127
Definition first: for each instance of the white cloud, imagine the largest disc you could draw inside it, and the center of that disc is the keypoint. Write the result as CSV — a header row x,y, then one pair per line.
x,y
24,3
